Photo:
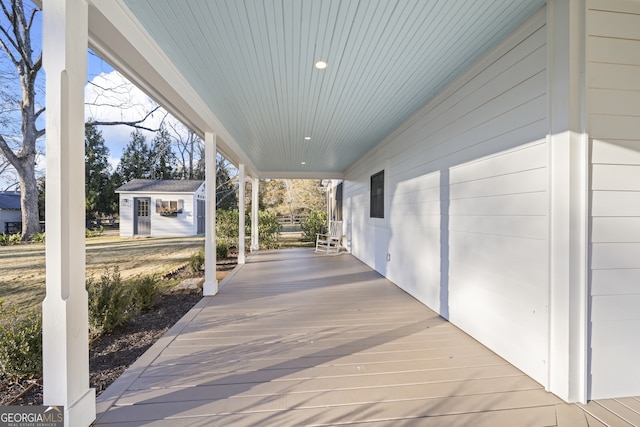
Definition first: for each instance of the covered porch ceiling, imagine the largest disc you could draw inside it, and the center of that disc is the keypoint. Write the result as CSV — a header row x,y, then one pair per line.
x,y
244,70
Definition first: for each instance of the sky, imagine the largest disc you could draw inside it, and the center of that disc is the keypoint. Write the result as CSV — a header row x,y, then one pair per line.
x,y
121,101
109,96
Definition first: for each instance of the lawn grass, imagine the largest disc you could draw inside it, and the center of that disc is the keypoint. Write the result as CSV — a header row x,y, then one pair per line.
x,y
293,239
22,267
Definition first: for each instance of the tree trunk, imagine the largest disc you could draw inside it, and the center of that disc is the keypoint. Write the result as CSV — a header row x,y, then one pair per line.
x,y
29,201
191,148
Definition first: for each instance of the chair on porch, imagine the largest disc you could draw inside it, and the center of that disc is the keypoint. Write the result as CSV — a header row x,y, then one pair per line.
x,y
330,242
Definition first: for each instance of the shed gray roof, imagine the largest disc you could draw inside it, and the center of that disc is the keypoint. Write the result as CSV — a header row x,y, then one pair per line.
x,y
160,186
9,200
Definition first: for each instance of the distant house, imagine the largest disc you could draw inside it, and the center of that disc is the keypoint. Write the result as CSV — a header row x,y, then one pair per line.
x,y
10,212
162,208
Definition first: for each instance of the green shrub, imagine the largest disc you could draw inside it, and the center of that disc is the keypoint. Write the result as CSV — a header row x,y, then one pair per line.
x,y
227,229
14,239
38,237
315,223
268,230
20,343
222,249
95,232
10,239
108,302
227,226
196,261
145,292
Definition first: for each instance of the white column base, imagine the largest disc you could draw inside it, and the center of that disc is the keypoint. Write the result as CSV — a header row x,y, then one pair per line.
x,y
83,412
210,288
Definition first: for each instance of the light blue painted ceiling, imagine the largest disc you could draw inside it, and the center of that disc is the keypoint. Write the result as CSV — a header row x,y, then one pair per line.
x,y
252,64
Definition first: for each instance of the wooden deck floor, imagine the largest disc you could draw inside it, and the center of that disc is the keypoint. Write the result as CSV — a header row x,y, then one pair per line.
x,y
295,338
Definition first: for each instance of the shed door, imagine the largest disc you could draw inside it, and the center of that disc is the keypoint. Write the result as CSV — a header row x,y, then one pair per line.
x,y
142,217
201,216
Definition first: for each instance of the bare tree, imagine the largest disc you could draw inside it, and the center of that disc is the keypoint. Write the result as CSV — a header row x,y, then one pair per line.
x,y
5,169
190,151
19,148
118,95
15,41
293,196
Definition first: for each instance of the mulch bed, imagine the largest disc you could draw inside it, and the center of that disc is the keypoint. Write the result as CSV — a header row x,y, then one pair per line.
x,y
111,354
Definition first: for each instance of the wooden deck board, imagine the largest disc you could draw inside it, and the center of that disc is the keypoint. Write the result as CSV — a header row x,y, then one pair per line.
x,y
594,422
529,417
571,416
610,414
296,338
621,410
251,377
425,389
330,407
632,403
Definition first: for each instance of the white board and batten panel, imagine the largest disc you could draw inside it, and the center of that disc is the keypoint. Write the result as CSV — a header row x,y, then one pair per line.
x,y
466,202
613,85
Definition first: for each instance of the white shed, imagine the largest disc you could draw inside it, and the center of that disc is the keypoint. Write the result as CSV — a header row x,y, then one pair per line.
x,y
10,211
161,208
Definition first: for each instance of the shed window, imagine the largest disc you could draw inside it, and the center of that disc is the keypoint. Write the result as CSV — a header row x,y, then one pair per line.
x,y
169,206
377,195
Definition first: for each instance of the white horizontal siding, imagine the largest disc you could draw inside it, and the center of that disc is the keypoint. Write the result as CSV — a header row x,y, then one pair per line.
x,y
613,85
615,281
616,229
615,203
466,202
621,177
614,348
524,205
184,224
616,152
126,216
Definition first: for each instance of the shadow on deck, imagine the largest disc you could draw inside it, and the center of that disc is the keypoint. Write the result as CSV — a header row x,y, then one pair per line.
x,y
296,338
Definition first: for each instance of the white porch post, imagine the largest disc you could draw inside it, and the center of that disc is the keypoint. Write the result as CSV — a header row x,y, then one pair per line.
x,y
65,322
241,209
255,243
210,286
568,142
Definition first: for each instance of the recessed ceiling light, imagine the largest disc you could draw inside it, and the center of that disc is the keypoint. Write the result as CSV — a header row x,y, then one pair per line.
x,y
321,64
303,163
307,138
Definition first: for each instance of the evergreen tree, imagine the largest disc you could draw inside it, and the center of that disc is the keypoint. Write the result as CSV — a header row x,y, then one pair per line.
x,y
137,160
98,192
